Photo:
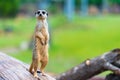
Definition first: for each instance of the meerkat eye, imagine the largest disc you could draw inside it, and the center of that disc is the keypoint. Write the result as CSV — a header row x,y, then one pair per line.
x,y
38,12
43,12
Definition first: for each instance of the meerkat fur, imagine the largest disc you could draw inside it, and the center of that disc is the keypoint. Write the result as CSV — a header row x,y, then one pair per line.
x,y
41,39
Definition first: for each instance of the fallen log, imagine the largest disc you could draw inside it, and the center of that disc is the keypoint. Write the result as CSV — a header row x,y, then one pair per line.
x,y
12,69
92,67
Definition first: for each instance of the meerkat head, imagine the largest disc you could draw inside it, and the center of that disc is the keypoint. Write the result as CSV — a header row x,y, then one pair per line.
x,y
41,14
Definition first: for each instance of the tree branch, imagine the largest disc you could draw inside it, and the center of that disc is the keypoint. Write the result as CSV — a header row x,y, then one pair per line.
x,y
92,67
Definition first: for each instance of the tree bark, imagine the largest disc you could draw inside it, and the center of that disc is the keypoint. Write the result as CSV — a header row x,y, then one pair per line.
x,y
12,69
90,68
112,76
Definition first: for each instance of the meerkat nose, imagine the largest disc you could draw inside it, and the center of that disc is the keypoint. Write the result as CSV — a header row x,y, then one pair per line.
x,y
40,14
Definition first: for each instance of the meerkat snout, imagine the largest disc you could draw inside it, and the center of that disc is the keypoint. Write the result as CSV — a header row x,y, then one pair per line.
x,y
41,14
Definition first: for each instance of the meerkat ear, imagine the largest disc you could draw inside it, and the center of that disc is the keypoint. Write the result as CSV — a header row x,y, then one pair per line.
x,y
47,14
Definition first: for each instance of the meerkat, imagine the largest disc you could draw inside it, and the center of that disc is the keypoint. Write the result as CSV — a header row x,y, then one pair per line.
x,y
41,39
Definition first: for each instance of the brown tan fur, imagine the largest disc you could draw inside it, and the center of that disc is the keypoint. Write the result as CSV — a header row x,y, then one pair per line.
x,y
40,50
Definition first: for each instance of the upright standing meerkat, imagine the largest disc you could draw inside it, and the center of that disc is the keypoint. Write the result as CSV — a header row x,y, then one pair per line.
x,y
41,39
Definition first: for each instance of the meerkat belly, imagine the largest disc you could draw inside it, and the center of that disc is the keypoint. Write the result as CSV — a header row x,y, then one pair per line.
x,y
36,48
42,49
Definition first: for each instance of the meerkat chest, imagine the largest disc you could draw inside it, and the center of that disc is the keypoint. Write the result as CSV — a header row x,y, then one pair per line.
x,y
42,27
44,31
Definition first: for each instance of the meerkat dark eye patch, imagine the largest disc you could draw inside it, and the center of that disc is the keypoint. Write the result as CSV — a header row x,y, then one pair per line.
x,y
38,12
43,12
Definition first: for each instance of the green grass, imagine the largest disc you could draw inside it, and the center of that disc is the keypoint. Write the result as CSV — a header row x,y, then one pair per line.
x,y
71,42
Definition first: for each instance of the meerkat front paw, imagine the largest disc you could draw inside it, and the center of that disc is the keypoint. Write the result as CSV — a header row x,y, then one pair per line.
x,y
42,42
46,42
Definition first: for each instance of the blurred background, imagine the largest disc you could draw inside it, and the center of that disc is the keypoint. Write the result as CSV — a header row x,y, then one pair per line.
x,y
79,29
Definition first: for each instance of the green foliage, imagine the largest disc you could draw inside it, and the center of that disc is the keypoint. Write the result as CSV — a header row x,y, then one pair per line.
x,y
115,2
27,1
8,8
95,2
99,2
77,3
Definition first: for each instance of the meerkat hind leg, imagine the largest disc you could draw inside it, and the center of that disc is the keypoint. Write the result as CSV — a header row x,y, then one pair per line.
x,y
31,68
43,65
35,68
